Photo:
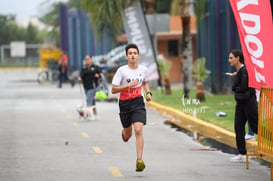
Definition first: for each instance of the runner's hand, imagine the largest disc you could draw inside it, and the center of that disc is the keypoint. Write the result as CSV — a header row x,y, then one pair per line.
x,y
132,83
148,97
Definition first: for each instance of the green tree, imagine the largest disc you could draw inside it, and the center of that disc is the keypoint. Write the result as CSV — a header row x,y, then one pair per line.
x,y
200,9
185,9
5,22
9,30
51,19
175,8
200,75
31,34
102,14
75,4
164,67
162,6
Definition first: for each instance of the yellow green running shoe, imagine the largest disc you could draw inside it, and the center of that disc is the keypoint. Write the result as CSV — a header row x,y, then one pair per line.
x,y
140,165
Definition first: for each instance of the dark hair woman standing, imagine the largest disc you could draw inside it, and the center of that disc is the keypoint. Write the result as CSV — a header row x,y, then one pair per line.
x,y
246,104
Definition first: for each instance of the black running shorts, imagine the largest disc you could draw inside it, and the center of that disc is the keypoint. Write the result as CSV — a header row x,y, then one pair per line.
x,y
132,111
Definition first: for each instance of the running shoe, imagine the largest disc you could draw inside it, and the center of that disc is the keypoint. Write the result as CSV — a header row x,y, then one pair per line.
x,y
140,165
249,137
91,118
123,136
238,158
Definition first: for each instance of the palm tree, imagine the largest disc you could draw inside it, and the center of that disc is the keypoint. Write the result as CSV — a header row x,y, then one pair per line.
x,y
200,75
51,16
105,15
149,6
164,67
103,12
187,11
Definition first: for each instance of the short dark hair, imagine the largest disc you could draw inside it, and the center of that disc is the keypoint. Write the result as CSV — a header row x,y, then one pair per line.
x,y
89,55
238,53
131,45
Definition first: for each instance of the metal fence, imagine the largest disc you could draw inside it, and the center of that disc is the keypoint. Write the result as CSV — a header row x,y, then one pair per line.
x,y
32,57
265,127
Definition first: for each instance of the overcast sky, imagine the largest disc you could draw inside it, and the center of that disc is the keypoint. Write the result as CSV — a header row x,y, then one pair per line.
x,y
25,8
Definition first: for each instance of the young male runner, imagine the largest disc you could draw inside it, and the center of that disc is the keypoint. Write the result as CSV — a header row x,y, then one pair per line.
x,y
128,81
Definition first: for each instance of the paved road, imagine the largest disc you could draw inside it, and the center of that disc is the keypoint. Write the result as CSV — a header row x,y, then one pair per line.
x,y
37,120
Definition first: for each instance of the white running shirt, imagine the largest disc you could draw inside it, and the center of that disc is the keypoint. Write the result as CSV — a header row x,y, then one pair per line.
x,y
125,75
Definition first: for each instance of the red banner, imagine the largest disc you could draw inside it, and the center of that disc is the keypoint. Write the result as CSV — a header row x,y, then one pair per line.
x,y
254,22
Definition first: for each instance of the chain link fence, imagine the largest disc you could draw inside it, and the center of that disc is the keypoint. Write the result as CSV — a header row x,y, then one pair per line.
x,y
32,58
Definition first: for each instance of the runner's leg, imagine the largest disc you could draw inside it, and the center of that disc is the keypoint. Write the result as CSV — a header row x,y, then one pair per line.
x,y
93,101
127,132
139,139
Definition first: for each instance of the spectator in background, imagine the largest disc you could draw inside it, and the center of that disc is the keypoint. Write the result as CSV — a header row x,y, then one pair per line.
x,y
246,104
250,135
90,76
62,69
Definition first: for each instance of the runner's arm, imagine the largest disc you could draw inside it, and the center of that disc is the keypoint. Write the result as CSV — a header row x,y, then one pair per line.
x,y
119,88
146,88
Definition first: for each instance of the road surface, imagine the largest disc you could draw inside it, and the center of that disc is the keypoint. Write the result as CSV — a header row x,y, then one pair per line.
x,y
43,139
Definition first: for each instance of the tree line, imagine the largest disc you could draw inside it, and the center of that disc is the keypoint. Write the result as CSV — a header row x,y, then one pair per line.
x,y
11,31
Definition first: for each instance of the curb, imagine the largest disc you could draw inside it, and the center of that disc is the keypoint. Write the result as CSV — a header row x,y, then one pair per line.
x,y
190,123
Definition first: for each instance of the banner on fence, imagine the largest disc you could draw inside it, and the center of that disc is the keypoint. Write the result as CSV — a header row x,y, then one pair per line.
x,y
254,22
